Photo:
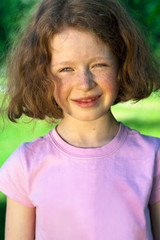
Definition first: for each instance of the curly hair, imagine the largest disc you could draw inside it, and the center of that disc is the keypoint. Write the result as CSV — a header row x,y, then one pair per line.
x,y
31,85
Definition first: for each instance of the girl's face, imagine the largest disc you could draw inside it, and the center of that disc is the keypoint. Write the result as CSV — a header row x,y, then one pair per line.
x,y
85,72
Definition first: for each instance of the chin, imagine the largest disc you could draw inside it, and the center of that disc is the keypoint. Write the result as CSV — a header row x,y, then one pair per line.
x,y
88,118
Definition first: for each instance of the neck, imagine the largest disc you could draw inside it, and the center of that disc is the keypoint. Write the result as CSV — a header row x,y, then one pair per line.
x,y
88,133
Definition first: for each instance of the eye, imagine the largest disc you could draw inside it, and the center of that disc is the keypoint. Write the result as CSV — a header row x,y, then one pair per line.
x,y
100,65
67,69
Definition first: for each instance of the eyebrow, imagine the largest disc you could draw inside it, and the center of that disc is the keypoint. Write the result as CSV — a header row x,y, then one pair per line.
x,y
91,60
62,63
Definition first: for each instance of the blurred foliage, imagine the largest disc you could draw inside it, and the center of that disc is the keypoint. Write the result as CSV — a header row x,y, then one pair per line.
x,y
147,15
14,15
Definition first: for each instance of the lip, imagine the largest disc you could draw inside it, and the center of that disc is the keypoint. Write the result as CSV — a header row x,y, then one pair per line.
x,y
88,101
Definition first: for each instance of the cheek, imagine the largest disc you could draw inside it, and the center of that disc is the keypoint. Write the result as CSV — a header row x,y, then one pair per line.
x,y
61,90
109,82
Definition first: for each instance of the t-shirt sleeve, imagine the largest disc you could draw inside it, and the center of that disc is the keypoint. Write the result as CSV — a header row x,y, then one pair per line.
x,y
155,193
13,178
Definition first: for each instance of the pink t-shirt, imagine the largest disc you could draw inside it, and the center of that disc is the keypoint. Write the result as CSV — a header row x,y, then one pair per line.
x,y
87,193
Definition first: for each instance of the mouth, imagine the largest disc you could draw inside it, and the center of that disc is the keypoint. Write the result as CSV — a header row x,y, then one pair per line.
x,y
89,101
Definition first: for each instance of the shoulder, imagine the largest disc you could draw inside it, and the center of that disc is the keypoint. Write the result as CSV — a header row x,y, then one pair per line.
x,y
36,145
30,155
20,170
39,146
139,139
141,145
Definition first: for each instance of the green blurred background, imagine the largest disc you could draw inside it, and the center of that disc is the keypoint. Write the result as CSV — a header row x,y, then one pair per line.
x,y
143,116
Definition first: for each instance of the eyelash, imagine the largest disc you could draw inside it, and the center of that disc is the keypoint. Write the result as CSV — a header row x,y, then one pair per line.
x,y
100,65
68,69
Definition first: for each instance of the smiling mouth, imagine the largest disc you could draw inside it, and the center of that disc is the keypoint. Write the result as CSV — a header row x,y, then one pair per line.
x,y
89,101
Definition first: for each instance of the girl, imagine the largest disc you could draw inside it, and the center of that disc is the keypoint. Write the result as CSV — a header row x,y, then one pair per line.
x,y
91,177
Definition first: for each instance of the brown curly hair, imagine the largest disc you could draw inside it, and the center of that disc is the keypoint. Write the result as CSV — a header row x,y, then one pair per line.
x,y
31,84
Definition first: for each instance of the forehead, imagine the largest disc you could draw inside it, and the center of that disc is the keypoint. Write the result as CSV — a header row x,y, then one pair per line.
x,y
71,41
73,34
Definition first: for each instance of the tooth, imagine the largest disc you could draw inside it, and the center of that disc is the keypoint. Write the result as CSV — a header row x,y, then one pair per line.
x,y
89,100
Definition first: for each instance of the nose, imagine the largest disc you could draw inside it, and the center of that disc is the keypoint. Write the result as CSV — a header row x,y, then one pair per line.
x,y
85,81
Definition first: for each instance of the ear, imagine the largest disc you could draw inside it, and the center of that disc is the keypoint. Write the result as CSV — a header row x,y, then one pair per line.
x,y
119,76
